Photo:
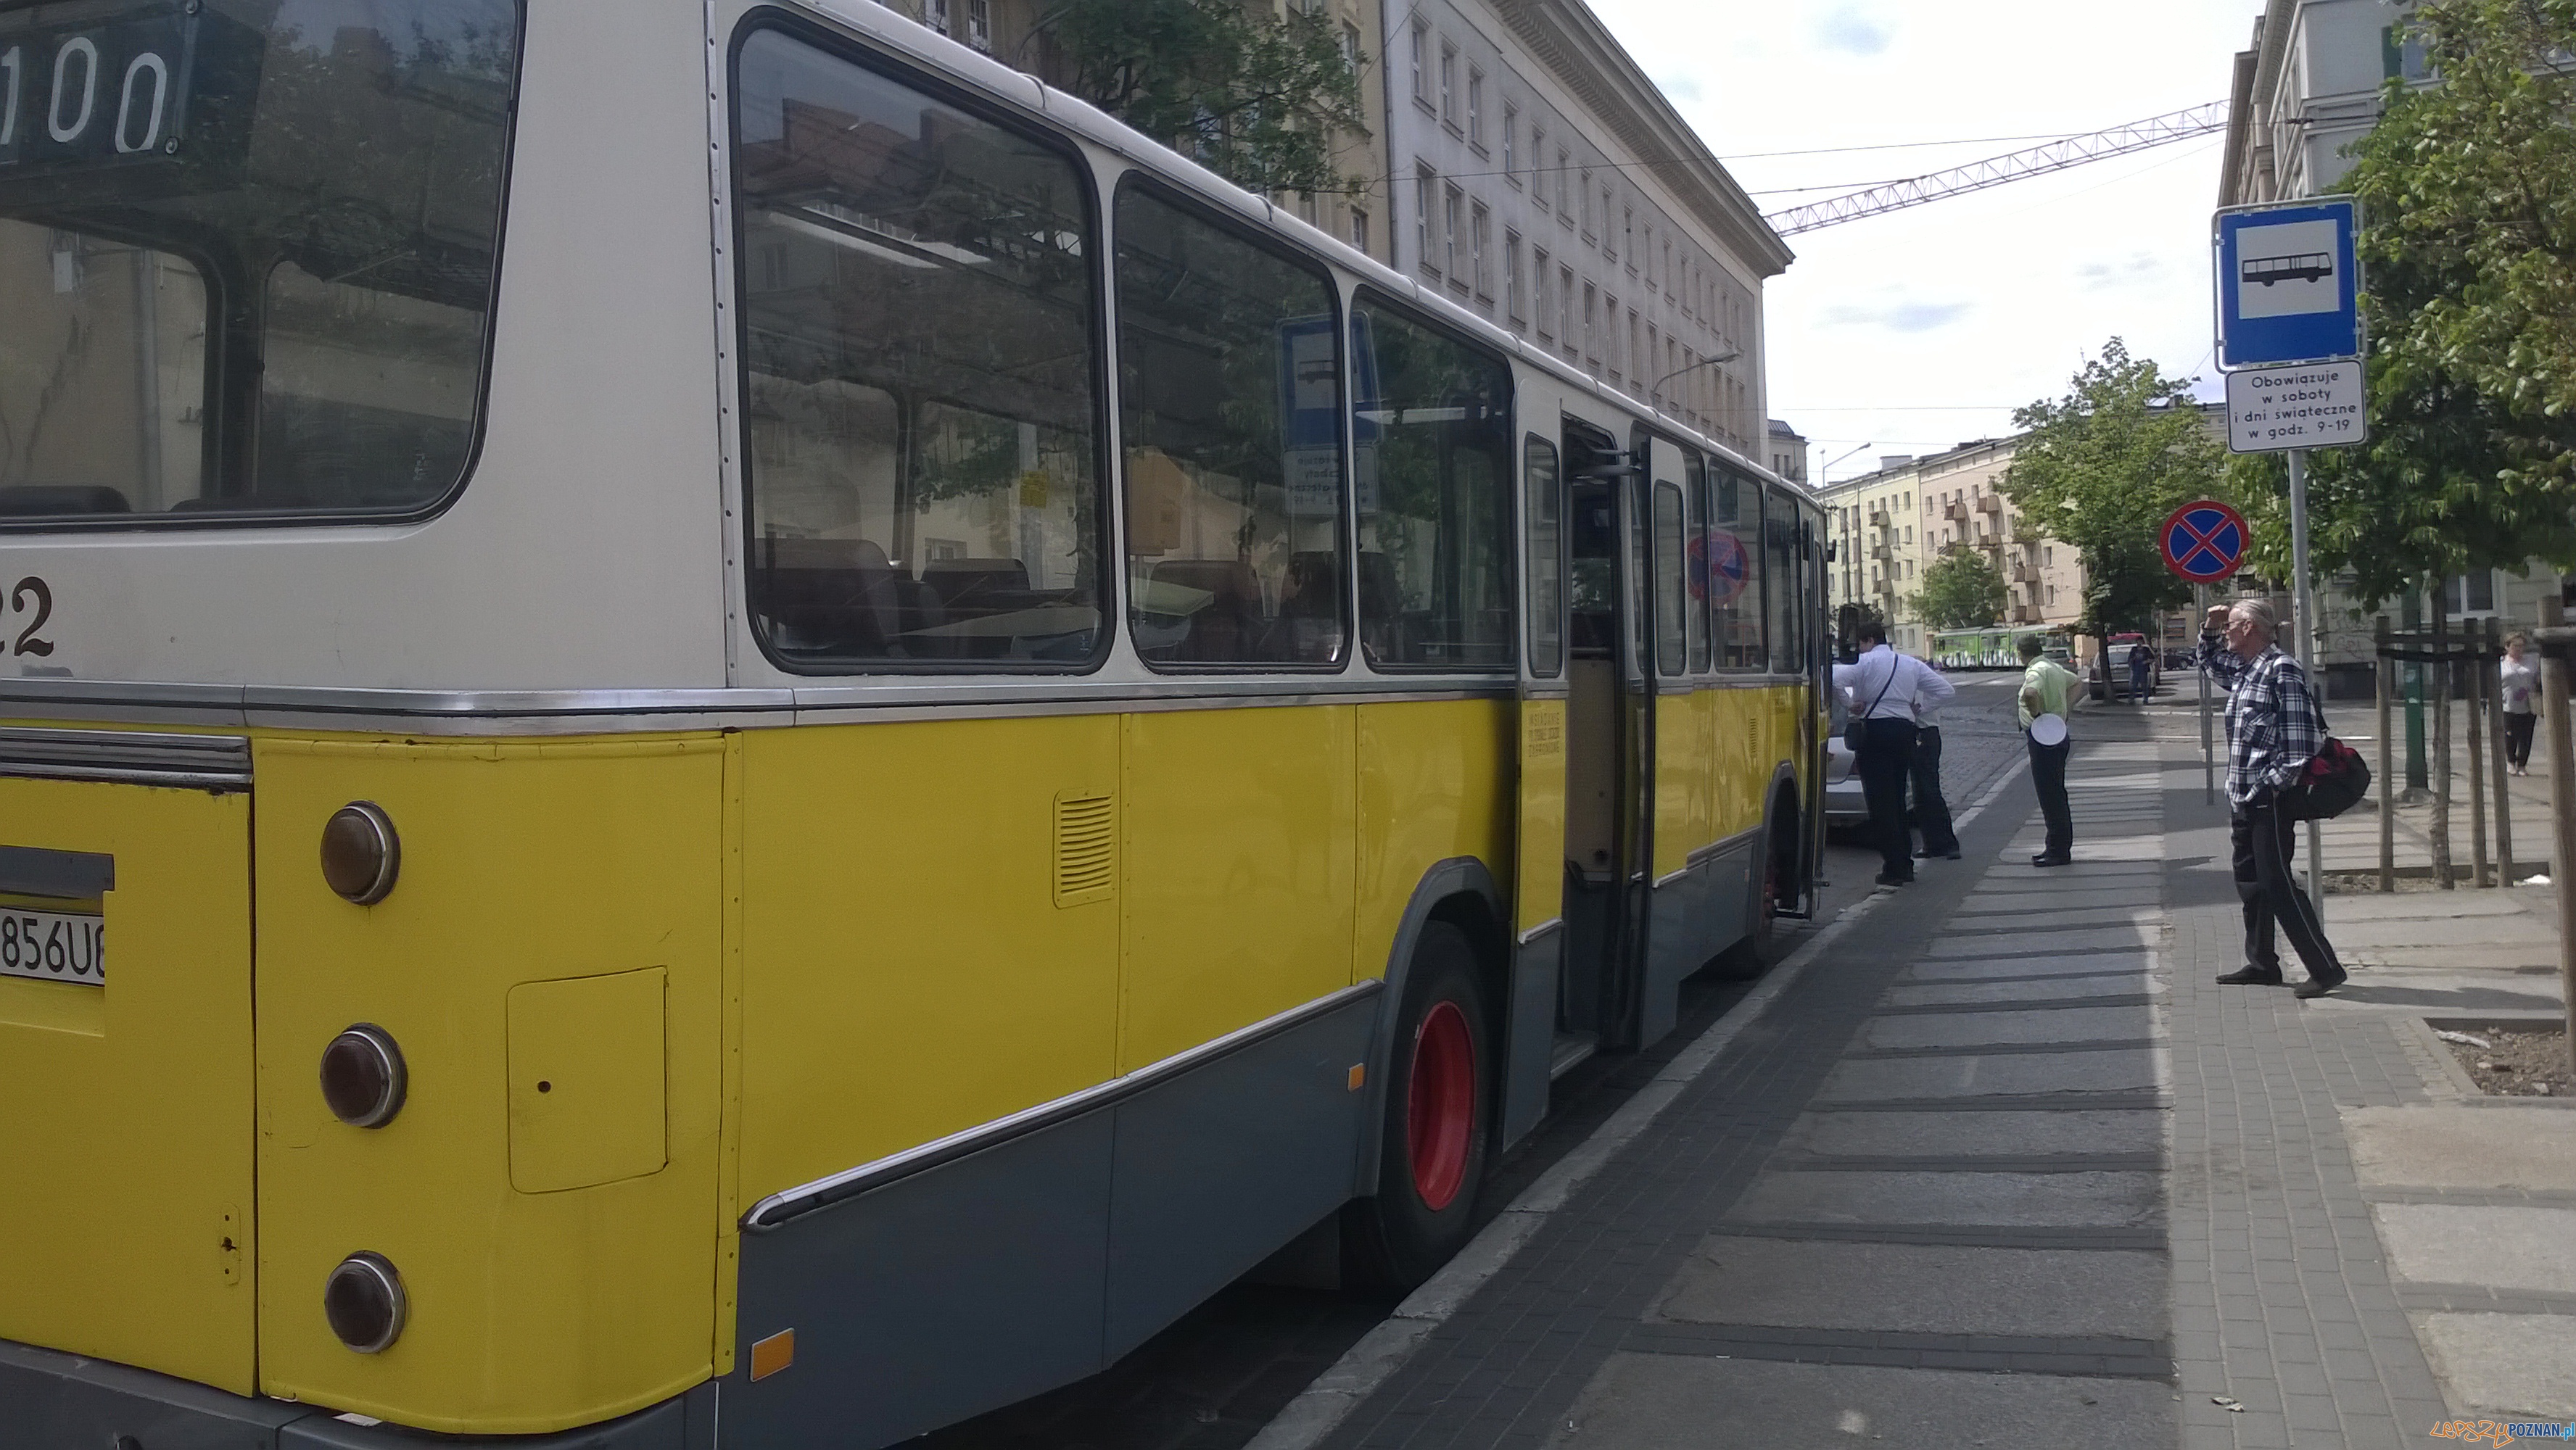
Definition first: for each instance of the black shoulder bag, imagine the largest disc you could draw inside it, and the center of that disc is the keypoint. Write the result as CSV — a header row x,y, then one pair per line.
x,y
1856,729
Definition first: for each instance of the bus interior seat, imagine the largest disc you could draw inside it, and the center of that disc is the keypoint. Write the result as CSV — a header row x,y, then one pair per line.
x,y
841,594
1230,626
976,589
30,500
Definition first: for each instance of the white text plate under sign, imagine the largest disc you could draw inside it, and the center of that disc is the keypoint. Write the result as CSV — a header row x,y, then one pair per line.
x,y
2313,405
53,946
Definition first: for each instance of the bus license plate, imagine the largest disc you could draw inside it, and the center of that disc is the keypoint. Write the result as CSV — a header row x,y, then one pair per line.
x,y
53,946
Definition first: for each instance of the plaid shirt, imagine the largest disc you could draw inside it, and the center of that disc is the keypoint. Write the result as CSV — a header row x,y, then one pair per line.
x,y
2273,726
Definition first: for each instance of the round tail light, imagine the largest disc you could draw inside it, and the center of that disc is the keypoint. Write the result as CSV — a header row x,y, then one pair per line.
x,y
363,1078
364,1301
361,855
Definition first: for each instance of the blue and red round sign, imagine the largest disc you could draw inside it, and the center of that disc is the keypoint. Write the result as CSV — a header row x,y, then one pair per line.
x,y
2204,542
1728,568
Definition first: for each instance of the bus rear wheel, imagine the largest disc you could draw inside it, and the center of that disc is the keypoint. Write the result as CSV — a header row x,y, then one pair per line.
x,y
1437,1116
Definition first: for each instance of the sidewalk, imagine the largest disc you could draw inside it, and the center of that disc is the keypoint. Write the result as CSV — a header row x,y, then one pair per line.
x,y
2005,1166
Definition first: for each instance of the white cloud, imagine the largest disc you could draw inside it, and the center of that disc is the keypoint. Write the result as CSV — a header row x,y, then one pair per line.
x,y
1924,328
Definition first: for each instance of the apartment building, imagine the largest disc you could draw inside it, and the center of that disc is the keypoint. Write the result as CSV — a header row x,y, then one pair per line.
x,y
1538,177
2307,87
1787,453
1007,30
1892,523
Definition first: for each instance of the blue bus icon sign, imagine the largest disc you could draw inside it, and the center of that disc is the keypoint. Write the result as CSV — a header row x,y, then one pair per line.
x,y
2289,283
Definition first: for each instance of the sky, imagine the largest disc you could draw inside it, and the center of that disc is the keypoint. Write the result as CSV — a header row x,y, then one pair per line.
x,y
1921,329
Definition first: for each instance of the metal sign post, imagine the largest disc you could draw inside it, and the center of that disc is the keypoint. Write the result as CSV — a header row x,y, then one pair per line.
x,y
2204,542
2289,338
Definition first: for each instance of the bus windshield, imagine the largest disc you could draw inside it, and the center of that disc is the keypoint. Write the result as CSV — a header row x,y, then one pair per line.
x,y
246,252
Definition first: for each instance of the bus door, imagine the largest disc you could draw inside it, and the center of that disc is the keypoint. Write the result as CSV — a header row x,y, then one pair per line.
x,y
1609,747
1538,888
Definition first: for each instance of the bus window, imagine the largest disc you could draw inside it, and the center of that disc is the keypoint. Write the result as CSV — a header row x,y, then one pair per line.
x,y
1672,596
1787,601
1433,427
917,318
287,312
1546,558
1735,572
1695,608
1232,413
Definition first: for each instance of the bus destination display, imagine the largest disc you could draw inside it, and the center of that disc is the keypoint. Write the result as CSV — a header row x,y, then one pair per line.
x,y
147,91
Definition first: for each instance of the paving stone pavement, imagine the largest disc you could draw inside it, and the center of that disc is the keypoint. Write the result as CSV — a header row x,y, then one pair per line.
x,y
1924,1196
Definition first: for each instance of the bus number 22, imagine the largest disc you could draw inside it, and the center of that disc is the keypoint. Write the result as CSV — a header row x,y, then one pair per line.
x,y
31,595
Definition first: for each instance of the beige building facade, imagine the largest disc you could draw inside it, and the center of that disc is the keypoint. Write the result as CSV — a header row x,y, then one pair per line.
x,y
1891,524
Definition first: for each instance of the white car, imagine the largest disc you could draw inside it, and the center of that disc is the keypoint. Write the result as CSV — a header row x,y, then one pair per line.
x,y
1845,807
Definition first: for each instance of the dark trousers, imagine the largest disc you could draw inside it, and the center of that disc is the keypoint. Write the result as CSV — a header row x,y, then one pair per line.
x,y
2517,738
2262,842
2048,773
1931,814
1886,754
2138,686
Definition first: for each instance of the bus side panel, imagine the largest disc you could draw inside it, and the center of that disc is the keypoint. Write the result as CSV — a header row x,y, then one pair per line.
x,y
1236,870
127,1147
549,964
1434,784
911,968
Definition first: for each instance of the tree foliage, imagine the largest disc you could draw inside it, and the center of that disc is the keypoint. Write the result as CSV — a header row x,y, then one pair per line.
x,y
1962,590
2468,196
2102,468
1255,98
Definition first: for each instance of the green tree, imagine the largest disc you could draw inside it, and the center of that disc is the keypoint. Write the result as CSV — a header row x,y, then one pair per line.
x,y
2468,195
2102,467
1255,98
1962,590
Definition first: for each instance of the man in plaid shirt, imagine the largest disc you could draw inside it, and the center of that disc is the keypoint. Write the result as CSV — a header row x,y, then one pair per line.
x,y
2273,729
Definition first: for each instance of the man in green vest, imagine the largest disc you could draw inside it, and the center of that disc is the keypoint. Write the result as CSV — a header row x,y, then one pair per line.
x,y
2046,687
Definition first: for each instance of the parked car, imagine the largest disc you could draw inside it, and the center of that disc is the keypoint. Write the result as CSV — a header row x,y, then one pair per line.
x,y
1845,806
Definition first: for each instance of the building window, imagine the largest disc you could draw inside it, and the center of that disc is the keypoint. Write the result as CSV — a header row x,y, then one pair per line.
x,y
1424,189
1475,108
1449,85
1565,309
1538,289
1563,170
1538,165
1451,204
979,24
1511,125
1359,229
1512,307
1638,362
1591,327
1351,48
1627,230
1586,213
934,13
1480,236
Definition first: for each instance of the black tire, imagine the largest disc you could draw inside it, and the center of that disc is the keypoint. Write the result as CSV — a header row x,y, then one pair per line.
x,y
1396,1238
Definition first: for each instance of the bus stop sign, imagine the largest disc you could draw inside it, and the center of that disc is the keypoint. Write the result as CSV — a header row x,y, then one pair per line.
x,y
2204,542
2289,283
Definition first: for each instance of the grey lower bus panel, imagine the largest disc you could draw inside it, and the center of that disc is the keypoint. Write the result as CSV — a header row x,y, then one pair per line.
x,y
55,1401
1038,1261
1700,912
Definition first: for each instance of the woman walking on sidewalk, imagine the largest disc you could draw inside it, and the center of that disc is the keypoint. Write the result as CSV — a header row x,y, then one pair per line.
x,y
2273,730
2520,679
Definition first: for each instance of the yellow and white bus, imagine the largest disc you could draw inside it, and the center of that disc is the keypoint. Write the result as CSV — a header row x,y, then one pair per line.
x,y
718,727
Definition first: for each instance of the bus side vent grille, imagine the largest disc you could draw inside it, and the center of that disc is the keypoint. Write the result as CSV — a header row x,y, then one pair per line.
x,y
1086,849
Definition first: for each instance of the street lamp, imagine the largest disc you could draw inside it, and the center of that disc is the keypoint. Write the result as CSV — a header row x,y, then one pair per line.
x,y
1655,393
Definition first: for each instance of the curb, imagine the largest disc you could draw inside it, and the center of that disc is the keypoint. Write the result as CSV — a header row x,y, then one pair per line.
x,y
1369,1364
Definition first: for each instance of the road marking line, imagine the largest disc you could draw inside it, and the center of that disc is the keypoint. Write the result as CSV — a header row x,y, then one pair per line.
x,y
1324,1404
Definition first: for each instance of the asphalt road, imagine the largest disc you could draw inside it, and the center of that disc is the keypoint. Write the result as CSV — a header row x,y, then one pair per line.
x,y
1211,1381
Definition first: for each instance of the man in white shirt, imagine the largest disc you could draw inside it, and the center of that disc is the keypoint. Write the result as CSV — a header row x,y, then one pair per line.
x,y
1882,687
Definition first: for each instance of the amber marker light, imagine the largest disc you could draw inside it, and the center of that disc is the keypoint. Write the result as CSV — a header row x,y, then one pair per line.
x,y
365,1303
363,1077
361,855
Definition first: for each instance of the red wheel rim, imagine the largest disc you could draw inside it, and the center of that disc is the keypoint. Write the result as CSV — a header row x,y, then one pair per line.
x,y
1440,1105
